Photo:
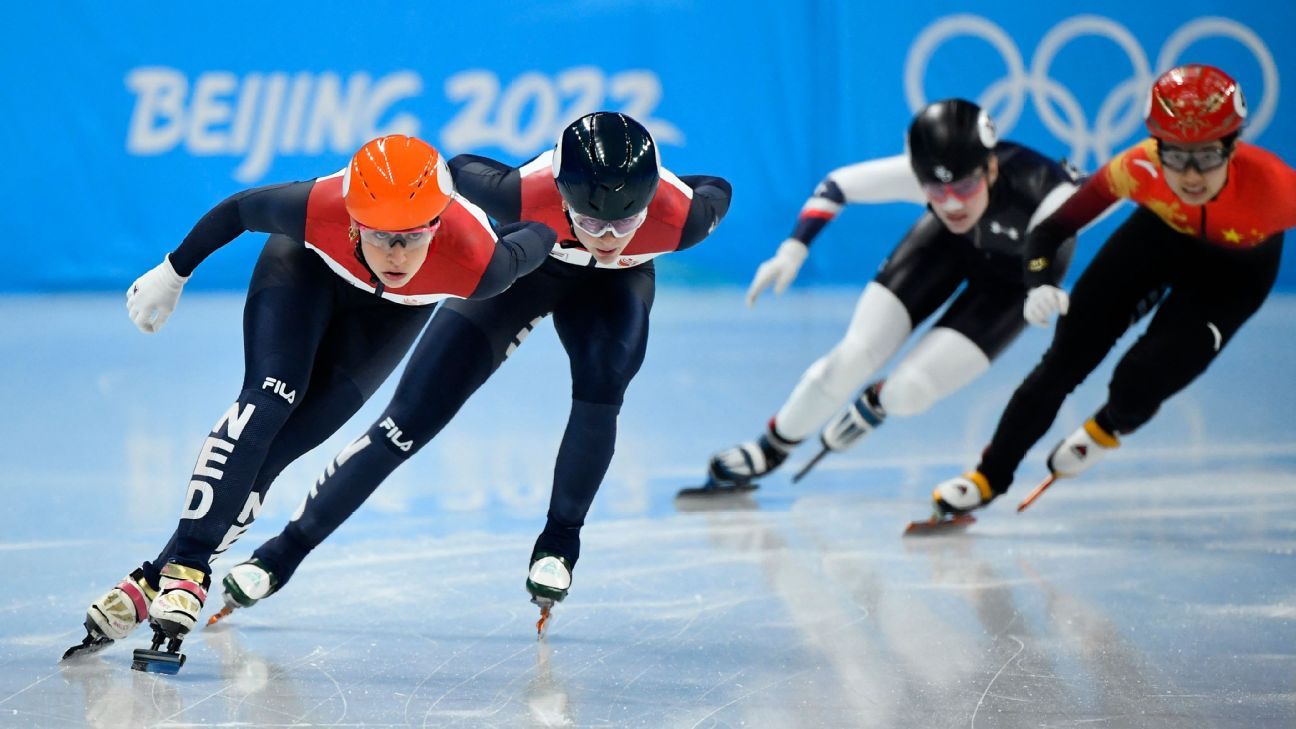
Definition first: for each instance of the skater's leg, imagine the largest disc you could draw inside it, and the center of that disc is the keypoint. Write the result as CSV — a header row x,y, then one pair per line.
x,y
450,362
916,279
289,307
1216,293
465,342
1130,266
605,332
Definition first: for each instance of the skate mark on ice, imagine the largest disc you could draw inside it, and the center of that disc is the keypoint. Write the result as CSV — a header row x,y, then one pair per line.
x,y
31,685
337,690
405,711
427,715
752,692
292,666
1021,646
280,671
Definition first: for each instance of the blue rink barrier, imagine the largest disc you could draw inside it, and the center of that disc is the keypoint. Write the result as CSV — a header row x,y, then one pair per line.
x,y
137,119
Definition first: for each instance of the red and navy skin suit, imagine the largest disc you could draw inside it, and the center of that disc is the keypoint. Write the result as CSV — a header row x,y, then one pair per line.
x,y
600,312
320,334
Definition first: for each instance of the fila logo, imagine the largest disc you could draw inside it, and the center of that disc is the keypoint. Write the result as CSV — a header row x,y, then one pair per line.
x,y
279,388
998,229
394,434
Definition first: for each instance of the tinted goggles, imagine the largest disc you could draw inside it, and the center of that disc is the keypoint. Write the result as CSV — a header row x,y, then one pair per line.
x,y
411,238
961,189
620,227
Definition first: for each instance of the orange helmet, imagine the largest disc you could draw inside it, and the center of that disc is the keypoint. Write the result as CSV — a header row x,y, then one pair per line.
x,y
1194,103
396,183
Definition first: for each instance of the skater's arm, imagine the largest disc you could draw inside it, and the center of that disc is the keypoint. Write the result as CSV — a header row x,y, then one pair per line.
x,y
521,248
711,197
271,209
492,186
889,179
1045,242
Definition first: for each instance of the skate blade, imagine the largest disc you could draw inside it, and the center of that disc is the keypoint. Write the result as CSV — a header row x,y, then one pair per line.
x,y
713,490
150,661
87,647
1035,494
934,526
224,613
546,618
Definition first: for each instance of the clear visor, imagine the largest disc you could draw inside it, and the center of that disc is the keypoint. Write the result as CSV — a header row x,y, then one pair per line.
x,y
1203,159
410,239
620,227
960,189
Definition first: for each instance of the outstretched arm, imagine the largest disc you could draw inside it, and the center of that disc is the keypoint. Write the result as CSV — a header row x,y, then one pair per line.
x,y
521,248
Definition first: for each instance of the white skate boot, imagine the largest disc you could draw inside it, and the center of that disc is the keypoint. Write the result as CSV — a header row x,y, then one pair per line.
x,y
548,581
1081,450
172,614
962,494
246,584
857,420
115,614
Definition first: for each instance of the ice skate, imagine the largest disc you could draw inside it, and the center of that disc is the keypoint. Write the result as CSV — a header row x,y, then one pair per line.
x,y
172,614
850,425
1081,450
115,615
246,584
733,470
547,581
1073,456
952,503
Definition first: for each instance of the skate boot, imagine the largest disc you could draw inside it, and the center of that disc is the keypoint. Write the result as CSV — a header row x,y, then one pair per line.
x,y
548,580
246,584
1080,450
845,430
952,503
961,494
732,470
115,615
172,614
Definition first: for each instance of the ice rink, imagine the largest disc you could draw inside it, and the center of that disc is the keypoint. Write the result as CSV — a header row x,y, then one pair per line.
x,y
1158,591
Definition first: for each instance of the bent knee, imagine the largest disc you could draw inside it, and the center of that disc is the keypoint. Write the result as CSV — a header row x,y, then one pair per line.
x,y
908,393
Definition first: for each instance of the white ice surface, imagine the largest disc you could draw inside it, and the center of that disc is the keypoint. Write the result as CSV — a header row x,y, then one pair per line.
x,y
1158,591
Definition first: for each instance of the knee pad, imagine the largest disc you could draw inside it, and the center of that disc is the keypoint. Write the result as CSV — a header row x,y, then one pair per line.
x,y
908,392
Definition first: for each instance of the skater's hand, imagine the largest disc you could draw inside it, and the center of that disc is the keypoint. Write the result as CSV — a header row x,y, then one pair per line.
x,y
153,296
1043,302
779,270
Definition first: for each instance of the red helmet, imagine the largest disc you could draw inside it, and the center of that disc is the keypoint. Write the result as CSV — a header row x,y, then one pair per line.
x,y
396,183
1194,103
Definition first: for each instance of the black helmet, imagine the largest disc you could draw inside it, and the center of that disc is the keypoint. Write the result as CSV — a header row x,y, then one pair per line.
x,y
606,166
948,140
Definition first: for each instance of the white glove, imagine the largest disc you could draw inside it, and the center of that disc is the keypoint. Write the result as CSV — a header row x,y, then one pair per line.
x,y
779,270
153,296
1043,302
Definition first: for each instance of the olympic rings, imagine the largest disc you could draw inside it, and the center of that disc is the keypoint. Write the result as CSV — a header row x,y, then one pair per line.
x,y
1120,114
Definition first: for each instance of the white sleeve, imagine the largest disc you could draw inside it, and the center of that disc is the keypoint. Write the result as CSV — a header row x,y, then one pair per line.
x,y
1051,202
889,179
